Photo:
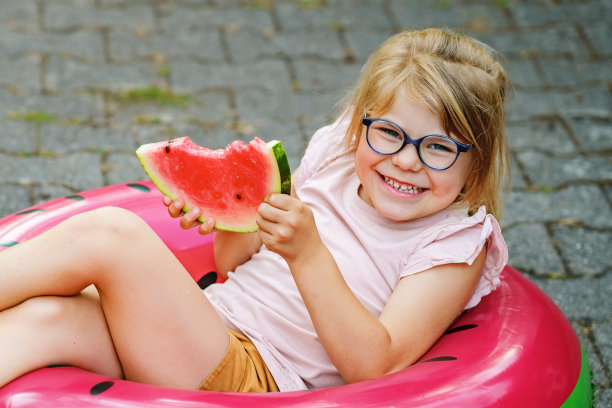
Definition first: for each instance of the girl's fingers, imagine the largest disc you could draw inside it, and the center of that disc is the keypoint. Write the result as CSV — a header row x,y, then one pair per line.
x,y
272,210
175,207
190,218
207,226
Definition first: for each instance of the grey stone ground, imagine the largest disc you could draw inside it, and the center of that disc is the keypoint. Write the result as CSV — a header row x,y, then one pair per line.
x,y
84,82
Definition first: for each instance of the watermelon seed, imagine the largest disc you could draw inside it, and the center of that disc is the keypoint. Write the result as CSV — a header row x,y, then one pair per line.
x,y
167,148
238,196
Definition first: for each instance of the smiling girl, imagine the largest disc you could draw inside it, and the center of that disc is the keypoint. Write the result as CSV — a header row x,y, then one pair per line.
x,y
388,235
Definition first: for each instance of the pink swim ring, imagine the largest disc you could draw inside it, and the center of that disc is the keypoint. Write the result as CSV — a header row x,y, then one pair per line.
x,y
516,348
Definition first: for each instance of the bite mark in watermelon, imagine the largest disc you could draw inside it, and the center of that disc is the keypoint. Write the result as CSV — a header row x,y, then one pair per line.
x,y
227,184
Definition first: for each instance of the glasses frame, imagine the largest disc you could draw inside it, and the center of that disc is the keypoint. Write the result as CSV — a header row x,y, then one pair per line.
x,y
461,148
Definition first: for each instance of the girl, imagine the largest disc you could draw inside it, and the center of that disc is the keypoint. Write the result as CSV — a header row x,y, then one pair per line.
x,y
388,235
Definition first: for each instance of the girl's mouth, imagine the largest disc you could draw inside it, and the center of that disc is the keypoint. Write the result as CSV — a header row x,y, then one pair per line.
x,y
403,188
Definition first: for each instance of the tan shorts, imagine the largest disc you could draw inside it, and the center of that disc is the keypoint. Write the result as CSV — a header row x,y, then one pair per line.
x,y
241,370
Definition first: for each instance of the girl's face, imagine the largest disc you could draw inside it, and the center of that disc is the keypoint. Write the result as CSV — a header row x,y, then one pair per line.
x,y
385,179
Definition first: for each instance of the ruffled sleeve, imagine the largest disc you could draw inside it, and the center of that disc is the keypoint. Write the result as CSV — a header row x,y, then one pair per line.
x,y
461,241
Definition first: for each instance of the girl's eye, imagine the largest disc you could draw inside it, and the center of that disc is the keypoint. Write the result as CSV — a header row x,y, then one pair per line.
x,y
392,132
439,145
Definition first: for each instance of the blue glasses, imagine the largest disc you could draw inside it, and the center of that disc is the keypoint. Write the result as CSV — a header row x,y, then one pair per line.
x,y
437,152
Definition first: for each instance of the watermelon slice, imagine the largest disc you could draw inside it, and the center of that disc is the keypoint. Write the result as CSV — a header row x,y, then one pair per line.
x,y
227,184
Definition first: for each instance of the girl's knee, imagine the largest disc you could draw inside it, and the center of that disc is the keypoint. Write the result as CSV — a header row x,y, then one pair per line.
x,y
53,311
103,229
112,220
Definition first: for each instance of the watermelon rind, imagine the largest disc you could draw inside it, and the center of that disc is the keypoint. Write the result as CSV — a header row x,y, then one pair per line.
x,y
281,181
284,170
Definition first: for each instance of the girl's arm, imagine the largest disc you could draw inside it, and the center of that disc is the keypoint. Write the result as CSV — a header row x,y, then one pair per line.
x,y
360,345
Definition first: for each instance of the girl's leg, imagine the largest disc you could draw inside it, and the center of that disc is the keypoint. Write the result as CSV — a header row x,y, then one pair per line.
x,y
163,328
73,329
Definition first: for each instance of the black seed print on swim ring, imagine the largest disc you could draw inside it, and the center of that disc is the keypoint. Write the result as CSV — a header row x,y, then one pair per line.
x,y
75,197
441,358
140,187
461,328
30,211
207,280
99,388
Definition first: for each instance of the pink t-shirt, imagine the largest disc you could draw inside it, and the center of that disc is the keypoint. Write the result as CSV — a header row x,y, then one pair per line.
x,y
261,300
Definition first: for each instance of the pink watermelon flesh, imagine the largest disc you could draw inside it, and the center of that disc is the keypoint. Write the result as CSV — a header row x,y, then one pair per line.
x,y
227,184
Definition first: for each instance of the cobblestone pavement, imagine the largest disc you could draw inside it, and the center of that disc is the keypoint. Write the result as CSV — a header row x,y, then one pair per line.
x,y
84,82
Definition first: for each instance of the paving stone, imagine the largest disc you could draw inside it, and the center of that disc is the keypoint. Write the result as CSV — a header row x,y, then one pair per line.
x,y
13,197
583,298
603,397
547,170
17,137
190,18
583,203
58,139
188,76
79,171
315,110
599,35
62,107
530,250
540,134
19,14
21,73
123,168
202,44
47,192
538,13
85,45
522,73
363,43
248,45
586,252
77,15
324,77
596,366
587,101
473,17
569,72
204,108
560,39
263,105
603,337
517,179
346,14
69,74
593,134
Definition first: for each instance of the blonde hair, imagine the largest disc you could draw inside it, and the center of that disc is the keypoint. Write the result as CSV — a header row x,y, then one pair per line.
x,y
457,78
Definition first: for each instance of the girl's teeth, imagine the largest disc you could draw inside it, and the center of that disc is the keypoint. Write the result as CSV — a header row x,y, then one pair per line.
x,y
402,187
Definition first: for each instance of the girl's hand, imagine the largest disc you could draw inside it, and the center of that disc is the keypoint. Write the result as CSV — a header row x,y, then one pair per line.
x,y
190,218
287,227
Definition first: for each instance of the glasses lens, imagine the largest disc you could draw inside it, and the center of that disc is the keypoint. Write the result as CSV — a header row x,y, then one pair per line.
x,y
384,137
438,152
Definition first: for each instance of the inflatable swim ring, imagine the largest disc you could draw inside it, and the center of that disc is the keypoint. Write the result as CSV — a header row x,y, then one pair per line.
x,y
515,348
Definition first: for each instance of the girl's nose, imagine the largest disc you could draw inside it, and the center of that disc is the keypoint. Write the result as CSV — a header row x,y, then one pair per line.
x,y
407,159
